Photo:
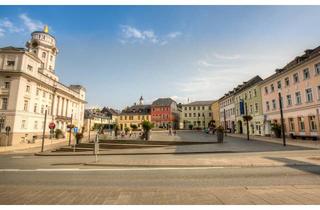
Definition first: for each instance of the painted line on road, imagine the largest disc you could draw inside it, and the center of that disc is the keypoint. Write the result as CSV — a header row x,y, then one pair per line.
x,y
109,169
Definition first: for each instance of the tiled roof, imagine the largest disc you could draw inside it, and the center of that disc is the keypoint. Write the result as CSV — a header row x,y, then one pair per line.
x,y
297,61
199,103
163,102
137,109
11,48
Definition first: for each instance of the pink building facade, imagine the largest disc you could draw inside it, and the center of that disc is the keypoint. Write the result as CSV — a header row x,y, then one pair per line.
x,y
299,85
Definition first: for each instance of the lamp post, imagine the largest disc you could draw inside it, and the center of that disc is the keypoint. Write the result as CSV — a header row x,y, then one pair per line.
x,y
246,105
89,128
44,128
282,120
70,129
225,122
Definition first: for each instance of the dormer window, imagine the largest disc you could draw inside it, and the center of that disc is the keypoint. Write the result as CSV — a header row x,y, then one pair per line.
x,y
10,63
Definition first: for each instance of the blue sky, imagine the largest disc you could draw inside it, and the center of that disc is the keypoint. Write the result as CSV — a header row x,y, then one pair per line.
x,y
196,52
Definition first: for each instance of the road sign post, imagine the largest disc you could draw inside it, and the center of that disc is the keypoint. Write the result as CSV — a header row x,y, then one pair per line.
x,y
8,129
44,129
96,147
75,131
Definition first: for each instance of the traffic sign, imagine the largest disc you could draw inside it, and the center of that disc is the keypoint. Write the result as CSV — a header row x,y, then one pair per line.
x,y
52,125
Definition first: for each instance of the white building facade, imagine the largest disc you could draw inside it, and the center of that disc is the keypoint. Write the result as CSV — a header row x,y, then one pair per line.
x,y
29,87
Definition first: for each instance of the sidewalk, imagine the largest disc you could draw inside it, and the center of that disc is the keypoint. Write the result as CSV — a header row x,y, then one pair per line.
x,y
289,141
49,144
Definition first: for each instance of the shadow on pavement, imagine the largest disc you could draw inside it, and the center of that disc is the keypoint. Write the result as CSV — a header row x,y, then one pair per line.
x,y
297,164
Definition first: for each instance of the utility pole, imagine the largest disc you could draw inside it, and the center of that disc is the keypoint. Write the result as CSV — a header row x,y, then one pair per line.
x,y
70,130
89,128
282,121
225,122
246,105
44,129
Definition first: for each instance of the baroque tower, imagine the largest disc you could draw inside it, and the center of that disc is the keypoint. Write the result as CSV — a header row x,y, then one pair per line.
x,y
43,45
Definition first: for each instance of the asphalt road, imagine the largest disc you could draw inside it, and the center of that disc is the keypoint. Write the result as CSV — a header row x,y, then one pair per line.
x,y
36,180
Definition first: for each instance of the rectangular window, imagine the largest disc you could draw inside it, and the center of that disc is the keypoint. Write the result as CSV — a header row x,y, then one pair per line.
x,y
186,115
4,105
274,104
267,105
309,95
266,90
289,100
313,124
189,114
194,114
35,124
42,109
2,121
279,84
291,124
319,92
298,98
185,108
251,108
296,78
256,107
301,124
6,85
10,63
35,108
28,89
23,124
287,81
317,69
272,88
25,105
255,92
306,74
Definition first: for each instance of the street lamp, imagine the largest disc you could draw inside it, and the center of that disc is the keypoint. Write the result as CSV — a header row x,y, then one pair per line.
x,y
282,120
44,127
70,127
225,122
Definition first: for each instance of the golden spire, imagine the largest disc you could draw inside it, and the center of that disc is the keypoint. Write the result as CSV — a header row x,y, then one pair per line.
x,y
46,29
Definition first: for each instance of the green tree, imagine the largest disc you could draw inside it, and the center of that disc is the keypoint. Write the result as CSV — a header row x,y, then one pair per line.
x,y
146,126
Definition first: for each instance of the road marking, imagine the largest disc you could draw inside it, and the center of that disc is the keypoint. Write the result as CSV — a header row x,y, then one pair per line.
x,y
17,157
109,169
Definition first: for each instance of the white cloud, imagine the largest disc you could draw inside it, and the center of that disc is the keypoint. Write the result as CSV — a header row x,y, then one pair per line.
x,y
216,74
30,24
1,32
130,34
173,35
6,26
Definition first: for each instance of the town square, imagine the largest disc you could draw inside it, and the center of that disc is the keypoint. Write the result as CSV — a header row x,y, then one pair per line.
x,y
159,105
